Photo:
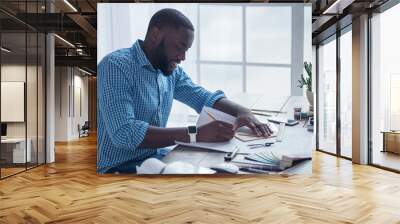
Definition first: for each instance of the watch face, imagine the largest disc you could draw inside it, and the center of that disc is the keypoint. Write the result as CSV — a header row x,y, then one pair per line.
x,y
192,129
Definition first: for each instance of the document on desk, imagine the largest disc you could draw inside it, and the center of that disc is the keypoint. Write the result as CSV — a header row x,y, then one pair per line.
x,y
227,146
243,134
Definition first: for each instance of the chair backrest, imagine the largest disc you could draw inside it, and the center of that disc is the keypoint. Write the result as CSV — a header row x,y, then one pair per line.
x,y
86,125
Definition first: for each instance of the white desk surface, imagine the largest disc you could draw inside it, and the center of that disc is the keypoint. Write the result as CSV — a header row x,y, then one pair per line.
x,y
296,139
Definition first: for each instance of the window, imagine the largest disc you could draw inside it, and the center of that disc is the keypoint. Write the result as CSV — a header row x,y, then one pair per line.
x,y
385,84
237,48
246,43
228,77
327,96
346,94
268,38
220,33
273,81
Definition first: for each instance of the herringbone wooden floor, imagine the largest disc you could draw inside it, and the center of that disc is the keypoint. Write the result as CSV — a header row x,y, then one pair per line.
x,y
70,191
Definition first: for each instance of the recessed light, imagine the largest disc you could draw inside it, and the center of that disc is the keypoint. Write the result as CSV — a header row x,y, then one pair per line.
x,y
70,5
84,71
64,40
5,50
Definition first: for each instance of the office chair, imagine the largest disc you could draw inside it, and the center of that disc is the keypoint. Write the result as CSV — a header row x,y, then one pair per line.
x,y
84,130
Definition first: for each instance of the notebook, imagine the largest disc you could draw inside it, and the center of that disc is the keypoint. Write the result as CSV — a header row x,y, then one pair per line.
x,y
243,133
156,166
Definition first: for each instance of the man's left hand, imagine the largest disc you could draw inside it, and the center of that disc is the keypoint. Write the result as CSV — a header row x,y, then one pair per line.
x,y
249,120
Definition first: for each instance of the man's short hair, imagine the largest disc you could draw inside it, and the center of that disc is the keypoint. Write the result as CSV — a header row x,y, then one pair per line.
x,y
170,18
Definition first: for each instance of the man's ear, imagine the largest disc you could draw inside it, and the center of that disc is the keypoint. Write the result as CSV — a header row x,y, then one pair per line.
x,y
156,35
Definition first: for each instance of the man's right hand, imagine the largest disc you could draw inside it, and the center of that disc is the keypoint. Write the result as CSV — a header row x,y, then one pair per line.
x,y
215,131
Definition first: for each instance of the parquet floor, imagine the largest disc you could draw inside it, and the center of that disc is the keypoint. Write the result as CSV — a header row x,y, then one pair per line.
x,y
70,191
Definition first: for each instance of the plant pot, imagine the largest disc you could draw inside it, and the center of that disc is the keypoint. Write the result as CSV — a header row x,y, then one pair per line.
x,y
310,99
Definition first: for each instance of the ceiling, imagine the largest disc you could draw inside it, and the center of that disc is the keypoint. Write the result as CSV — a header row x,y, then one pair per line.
x,y
76,22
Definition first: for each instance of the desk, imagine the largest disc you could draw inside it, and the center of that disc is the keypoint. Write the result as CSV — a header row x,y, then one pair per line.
x,y
296,140
391,141
13,150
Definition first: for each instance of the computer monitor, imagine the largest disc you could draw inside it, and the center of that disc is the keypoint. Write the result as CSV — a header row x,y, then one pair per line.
x,y
3,130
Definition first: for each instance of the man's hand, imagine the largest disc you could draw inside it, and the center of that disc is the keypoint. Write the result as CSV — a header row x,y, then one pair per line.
x,y
216,131
249,120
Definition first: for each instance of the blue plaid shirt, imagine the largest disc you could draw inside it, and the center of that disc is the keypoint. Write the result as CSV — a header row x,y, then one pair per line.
x,y
133,95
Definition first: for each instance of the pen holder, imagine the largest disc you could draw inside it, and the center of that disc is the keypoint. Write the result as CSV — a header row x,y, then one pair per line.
x,y
297,113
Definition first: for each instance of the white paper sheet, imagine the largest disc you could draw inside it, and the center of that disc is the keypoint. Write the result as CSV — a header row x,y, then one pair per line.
x,y
151,166
204,118
155,166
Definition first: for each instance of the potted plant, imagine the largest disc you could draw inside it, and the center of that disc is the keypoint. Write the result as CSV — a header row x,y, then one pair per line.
x,y
307,83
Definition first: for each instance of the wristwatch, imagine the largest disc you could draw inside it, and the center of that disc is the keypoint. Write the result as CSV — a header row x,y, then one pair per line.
x,y
192,131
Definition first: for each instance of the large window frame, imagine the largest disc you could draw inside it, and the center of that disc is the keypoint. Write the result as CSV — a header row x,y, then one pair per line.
x,y
381,9
243,63
389,4
334,37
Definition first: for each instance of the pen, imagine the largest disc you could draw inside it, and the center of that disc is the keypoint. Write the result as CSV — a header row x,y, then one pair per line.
x,y
253,146
270,111
261,114
209,114
232,154
253,170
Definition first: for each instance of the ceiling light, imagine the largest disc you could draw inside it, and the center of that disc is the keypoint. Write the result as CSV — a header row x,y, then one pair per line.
x,y
70,5
5,50
65,41
84,71
338,6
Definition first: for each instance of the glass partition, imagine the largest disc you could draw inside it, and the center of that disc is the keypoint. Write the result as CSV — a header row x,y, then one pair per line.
x,y
327,96
14,154
346,93
22,88
385,89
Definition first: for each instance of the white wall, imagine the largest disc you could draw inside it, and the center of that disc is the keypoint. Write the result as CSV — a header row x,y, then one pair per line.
x,y
33,126
70,83
15,72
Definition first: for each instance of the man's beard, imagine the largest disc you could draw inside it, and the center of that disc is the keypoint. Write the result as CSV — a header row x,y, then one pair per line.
x,y
162,61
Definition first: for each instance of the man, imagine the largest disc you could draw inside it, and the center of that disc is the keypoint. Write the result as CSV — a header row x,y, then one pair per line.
x,y
136,87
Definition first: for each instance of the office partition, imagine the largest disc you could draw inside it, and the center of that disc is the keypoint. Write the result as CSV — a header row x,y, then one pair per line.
x,y
22,78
